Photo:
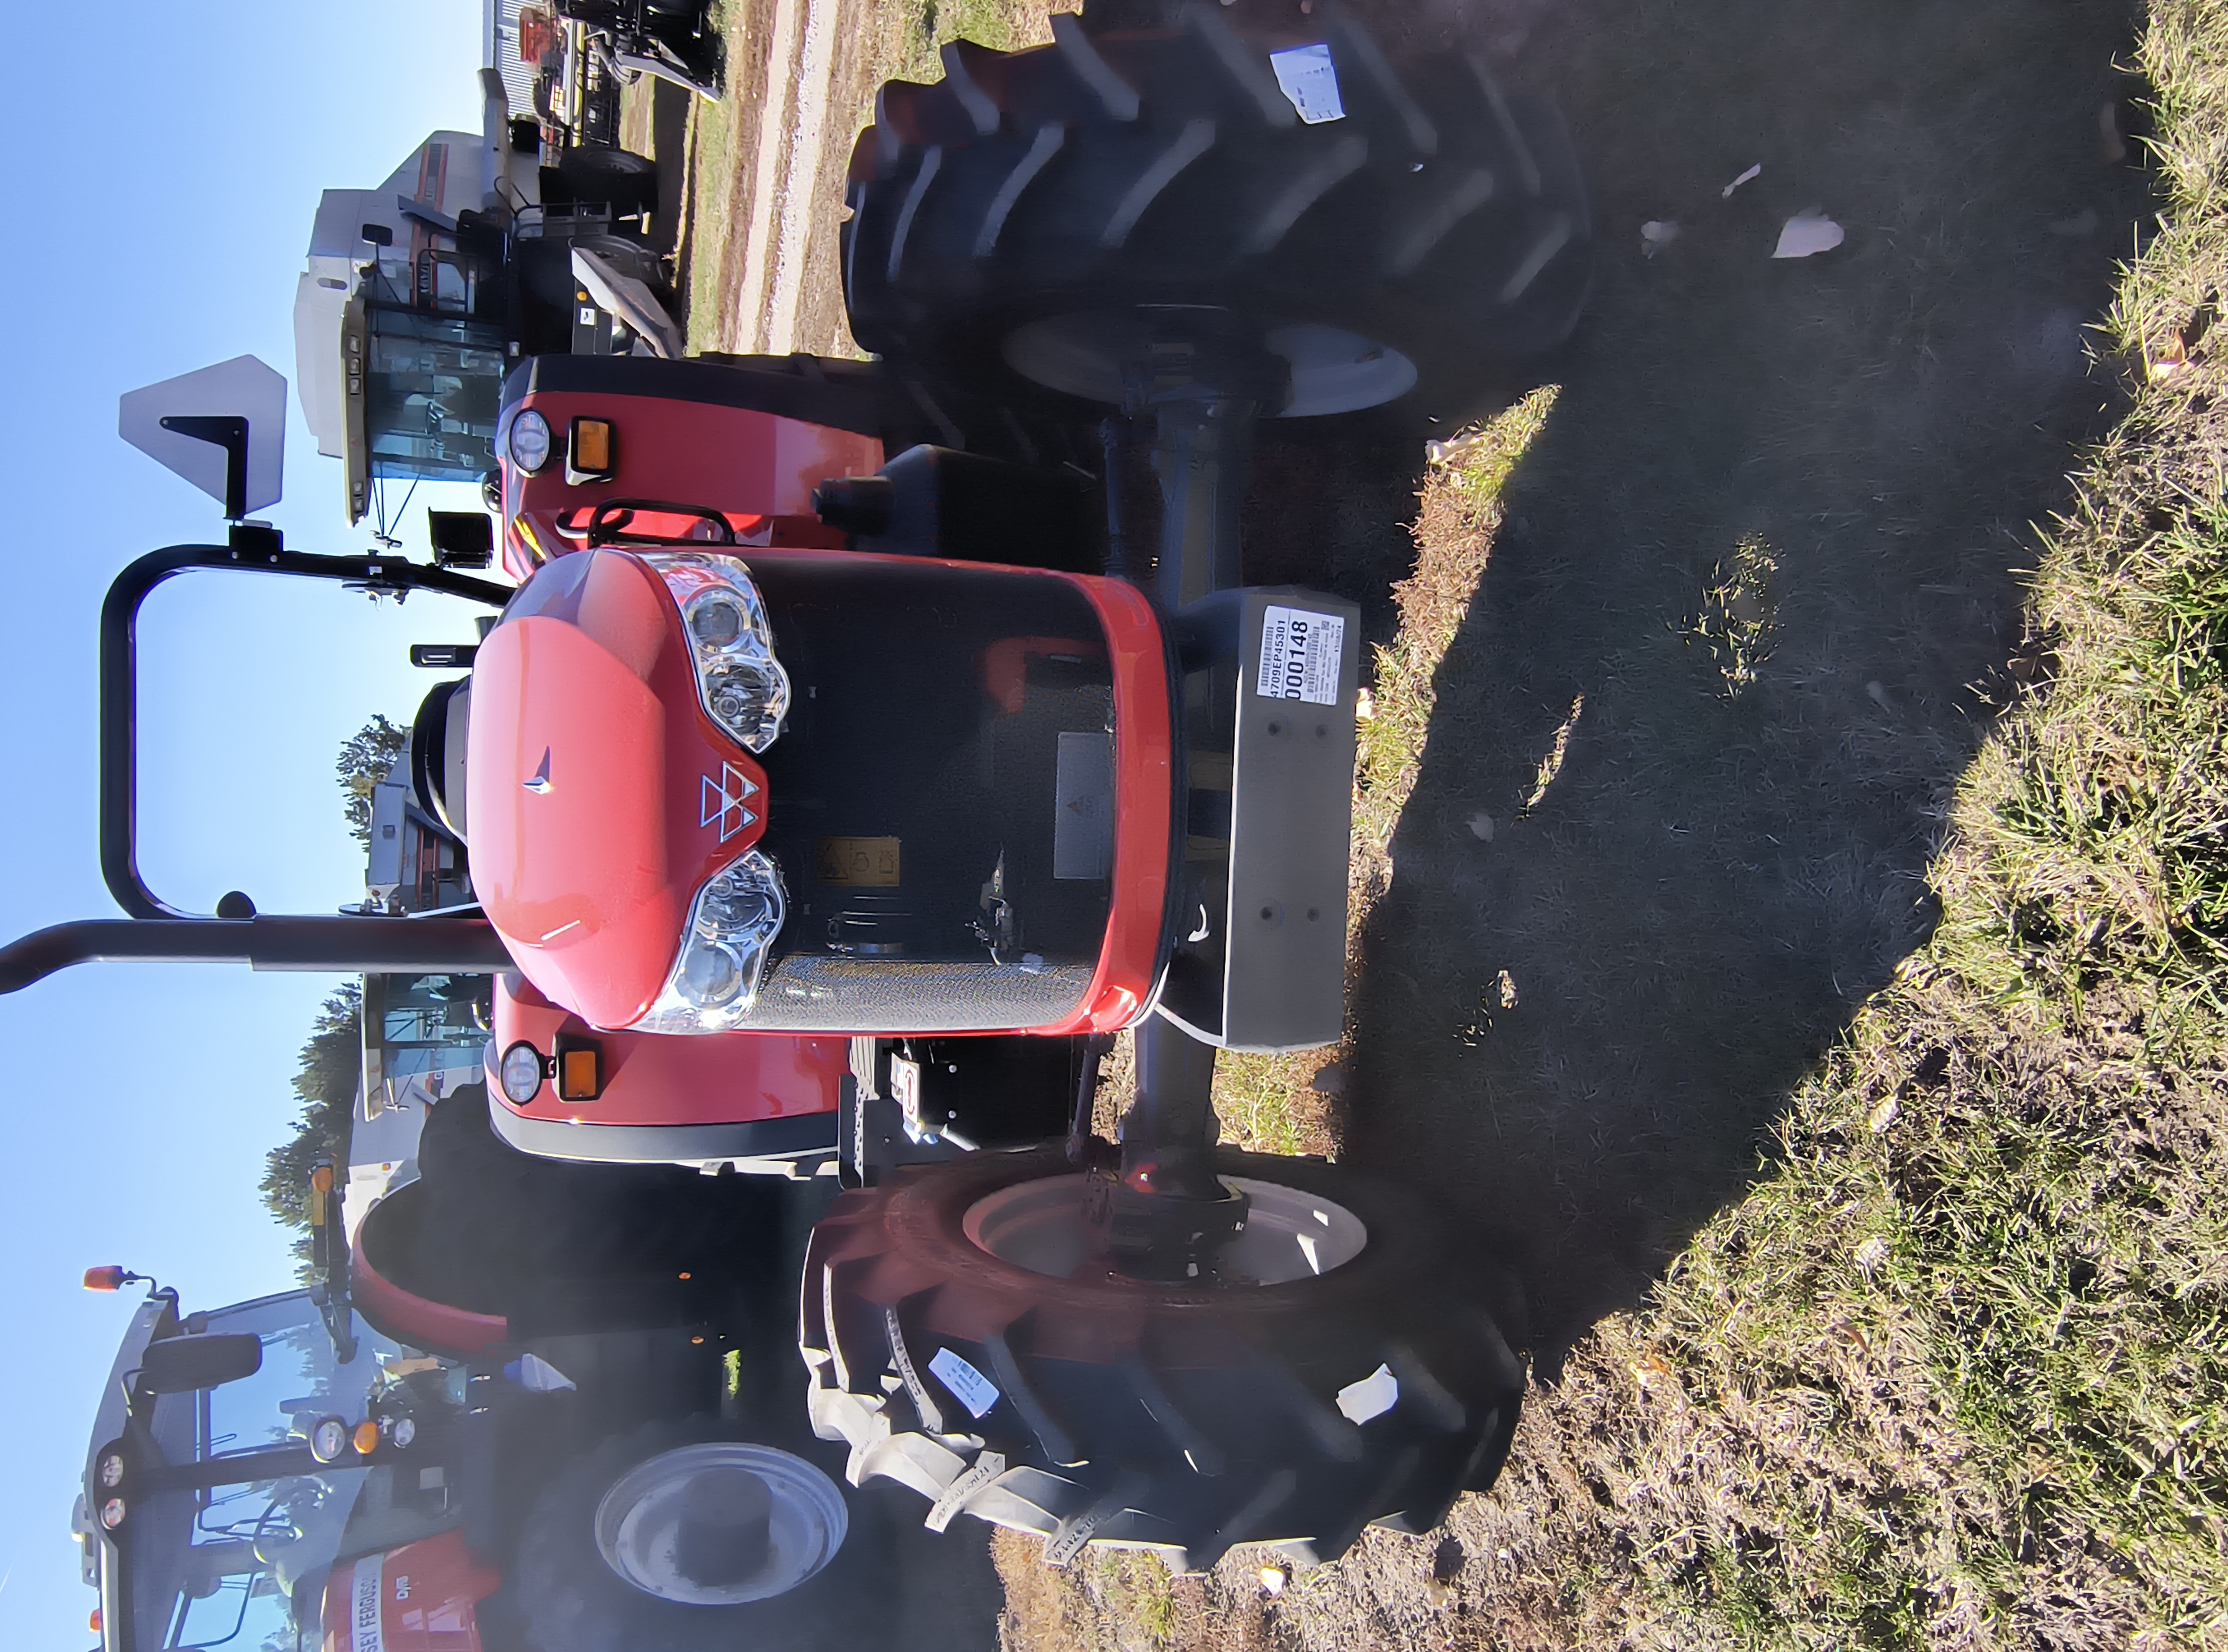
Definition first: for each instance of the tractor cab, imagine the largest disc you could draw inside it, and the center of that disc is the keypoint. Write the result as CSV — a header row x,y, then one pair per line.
x,y
239,1457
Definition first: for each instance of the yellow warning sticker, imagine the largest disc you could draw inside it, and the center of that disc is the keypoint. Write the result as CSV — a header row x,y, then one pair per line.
x,y
859,862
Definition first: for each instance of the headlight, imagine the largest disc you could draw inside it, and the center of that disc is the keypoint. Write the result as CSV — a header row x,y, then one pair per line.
x,y
111,1514
110,1470
329,1438
402,1431
742,685
723,952
521,1072
529,441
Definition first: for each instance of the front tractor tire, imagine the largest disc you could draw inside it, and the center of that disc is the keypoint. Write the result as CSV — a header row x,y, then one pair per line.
x,y
1029,209
963,1340
644,1543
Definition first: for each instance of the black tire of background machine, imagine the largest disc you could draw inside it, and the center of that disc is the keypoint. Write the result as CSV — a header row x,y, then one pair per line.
x,y
1111,1390
1441,216
618,178
569,1600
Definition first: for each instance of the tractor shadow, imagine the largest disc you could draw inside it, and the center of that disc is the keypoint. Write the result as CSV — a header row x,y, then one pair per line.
x,y
1581,1030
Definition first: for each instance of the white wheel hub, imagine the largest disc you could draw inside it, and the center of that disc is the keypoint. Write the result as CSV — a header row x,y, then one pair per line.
x,y
639,1522
1290,1233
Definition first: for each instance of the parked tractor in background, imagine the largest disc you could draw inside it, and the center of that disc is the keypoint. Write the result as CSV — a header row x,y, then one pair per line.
x,y
851,763
610,1456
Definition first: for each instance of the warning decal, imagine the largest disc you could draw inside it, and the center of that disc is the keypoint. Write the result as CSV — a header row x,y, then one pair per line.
x,y
1301,653
975,1391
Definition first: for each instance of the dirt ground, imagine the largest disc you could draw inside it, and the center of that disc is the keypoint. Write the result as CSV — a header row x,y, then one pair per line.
x,y
1757,579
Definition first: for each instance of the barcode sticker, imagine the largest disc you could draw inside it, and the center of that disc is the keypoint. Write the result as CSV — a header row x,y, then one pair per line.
x,y
975,1391
1308,79
1301,653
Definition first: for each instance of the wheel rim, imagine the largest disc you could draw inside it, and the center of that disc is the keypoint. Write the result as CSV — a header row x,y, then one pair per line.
x,y
1290,1233
639,1523
1334,370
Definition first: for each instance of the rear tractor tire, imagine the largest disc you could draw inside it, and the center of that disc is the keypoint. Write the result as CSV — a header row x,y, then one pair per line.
x,y
1336,1373
1031,206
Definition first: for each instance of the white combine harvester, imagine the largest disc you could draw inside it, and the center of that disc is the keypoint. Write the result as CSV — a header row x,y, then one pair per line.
x,y
479,251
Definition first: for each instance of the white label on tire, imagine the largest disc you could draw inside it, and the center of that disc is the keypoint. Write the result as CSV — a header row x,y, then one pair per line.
x,y
1308,79
1372,1396
1301,653
975,1391
366,1632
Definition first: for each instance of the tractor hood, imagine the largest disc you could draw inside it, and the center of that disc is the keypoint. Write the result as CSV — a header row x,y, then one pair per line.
x,y
602,797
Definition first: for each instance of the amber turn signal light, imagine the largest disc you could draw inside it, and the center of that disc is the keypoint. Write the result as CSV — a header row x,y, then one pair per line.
x,y
590,451
108,1278
580,1072
367,1438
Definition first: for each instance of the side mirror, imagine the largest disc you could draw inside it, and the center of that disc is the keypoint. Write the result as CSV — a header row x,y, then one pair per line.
x,y
462,539
378,235
184,1365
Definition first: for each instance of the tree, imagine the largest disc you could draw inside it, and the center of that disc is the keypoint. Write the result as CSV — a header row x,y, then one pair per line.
x,y
330,1069
366,757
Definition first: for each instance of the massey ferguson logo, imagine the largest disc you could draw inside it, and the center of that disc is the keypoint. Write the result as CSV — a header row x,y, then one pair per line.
x,y
724,799
367,1629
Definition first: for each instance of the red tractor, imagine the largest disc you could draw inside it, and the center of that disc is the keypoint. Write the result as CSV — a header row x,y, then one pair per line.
x,y
845,769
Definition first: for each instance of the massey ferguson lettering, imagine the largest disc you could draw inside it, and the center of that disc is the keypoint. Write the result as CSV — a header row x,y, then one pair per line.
x,y
366,1632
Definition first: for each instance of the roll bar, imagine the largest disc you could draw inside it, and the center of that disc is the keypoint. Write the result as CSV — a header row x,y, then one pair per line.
x,y
156,930
339,944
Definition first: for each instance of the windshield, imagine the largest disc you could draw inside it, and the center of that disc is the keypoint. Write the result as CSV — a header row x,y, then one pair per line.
x,y
432,391
424,1035
223,1566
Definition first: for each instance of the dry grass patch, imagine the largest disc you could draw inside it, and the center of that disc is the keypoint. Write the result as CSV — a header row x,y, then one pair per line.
x,y
914,31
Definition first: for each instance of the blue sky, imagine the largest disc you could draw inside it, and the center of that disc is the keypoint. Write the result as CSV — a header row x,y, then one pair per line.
x,y
181,163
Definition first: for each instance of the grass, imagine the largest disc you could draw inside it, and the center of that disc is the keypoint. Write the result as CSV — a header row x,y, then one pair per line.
x,y
915,30
713,150
1734,625
1952,1372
